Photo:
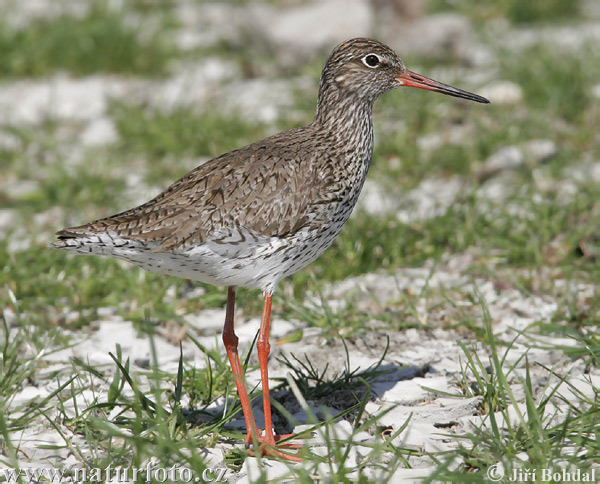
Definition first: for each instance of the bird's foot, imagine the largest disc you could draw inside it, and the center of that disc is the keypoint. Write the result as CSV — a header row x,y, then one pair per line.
x,y
269,445
287,445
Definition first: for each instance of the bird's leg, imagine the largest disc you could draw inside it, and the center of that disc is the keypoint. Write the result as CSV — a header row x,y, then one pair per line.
x,y
263,348
264,445
231,345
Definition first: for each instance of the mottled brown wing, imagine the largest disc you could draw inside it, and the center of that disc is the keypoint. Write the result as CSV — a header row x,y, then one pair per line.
x,y
263,187
261,195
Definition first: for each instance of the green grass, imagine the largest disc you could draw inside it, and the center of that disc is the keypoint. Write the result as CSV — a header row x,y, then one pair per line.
x,y
16,368
532,12
533,242
508,438
136,421
555,82
103,40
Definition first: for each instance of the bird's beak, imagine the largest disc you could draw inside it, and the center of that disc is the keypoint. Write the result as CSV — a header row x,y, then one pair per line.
x,y
412,79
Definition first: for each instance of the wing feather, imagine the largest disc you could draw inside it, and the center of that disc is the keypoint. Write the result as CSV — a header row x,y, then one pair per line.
x,y
265,187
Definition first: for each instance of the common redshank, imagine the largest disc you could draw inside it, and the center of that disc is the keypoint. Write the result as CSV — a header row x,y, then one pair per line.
x,y
262,212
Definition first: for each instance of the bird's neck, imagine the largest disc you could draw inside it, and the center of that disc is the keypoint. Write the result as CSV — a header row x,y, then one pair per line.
x,y
346,123
346,119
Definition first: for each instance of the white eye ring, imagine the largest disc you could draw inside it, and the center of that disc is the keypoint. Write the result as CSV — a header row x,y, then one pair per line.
x,y
371,61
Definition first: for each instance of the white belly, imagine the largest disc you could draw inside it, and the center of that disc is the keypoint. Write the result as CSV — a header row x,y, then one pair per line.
x,y
230,258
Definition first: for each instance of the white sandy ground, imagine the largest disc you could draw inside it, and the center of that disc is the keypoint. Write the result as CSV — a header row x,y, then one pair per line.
x,y
418,361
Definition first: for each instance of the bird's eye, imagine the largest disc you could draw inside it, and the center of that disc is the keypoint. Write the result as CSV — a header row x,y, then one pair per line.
x,y
371,60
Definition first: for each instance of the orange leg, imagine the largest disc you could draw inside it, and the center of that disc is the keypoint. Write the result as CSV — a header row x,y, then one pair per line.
x,y
231,344
266,445
263,346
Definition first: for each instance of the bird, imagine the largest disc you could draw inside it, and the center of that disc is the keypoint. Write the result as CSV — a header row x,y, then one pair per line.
x,y
257,214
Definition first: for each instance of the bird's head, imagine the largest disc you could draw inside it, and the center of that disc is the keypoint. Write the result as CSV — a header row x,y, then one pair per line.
x,y
368,68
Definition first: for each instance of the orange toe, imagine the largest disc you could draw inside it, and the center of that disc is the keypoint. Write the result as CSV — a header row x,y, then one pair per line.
x,y
269,446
